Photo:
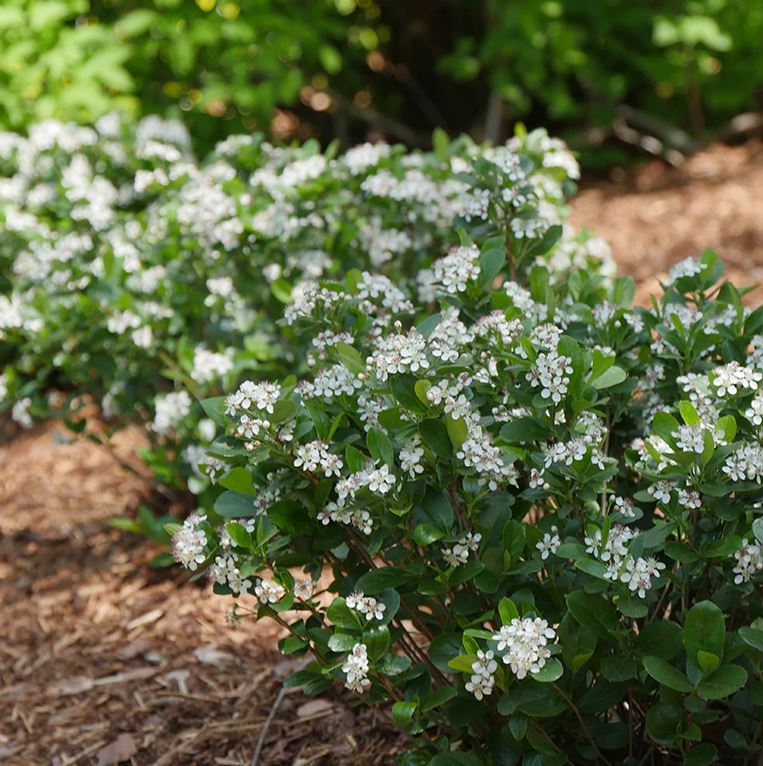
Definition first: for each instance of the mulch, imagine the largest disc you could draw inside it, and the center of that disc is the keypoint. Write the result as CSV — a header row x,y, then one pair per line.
x,y
104,660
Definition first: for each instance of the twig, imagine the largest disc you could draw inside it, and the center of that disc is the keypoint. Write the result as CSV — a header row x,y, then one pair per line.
x,y
266,726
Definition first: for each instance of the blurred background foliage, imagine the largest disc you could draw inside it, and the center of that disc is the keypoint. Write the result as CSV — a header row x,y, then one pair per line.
x,y
353,68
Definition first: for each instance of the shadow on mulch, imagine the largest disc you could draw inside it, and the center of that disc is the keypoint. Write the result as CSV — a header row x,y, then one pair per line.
x,y
105,661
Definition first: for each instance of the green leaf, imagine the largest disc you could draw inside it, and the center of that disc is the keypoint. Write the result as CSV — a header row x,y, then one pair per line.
x,y
234,504
689,413
667,675
701,755
457,430
663,722
380,446
752,637
402,712
291,517
507,610
707,661
350,358
377,580
594,612
239,534
435,435
757,529
421,388
342,642
439,697
611,377
342,616
491,263
238,480
551,671
523,430
426,534
456,759
463,663
723,683
661,638
704,629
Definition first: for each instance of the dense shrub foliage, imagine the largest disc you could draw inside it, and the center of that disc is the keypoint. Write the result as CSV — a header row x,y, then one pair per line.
x,y
527,517
135,274
336,65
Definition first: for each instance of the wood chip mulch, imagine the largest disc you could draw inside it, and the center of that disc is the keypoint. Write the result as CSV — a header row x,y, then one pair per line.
x,y
105,661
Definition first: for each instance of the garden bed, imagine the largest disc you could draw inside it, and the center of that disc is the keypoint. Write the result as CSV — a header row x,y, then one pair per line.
x,y
104,658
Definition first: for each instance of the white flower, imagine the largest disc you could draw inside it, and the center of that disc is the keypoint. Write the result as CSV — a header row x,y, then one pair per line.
x,y
482,679
355,668
189,542
549,544
250,395
210,365
20,412
268,592
551,373
638,573
732,377
453,273
170,410
381,480
690,438
304,589
410,457
399,353
459,553
314,455
368,606
525,644
749,561
661,490
745,463
688,267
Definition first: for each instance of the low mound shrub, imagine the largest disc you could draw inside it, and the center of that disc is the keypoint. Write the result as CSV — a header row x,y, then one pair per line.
x,y
526,518
134,274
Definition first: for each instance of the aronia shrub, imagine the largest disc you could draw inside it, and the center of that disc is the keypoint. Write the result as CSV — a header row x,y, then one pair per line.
x,y
135,274
526,519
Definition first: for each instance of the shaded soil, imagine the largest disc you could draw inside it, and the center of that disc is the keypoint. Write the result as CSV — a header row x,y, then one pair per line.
x,y
103,660
657,215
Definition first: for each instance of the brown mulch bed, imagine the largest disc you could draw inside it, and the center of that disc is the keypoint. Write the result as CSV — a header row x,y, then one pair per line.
x,y
656,215
103,660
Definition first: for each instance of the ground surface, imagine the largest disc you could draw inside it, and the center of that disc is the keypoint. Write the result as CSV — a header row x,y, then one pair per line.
x,y
103,660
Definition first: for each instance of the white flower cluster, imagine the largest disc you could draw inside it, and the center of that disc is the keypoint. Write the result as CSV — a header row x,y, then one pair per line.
x,y
733,377
637,573
368,606
356,668
316,455
551,373
549,543
459,553
482,680
745,463
453,272
749,561
525,644
397,353
268,592
190,541
170,409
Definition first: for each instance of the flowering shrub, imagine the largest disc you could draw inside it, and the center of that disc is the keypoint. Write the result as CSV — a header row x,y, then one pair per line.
x,y
135,274
527,518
